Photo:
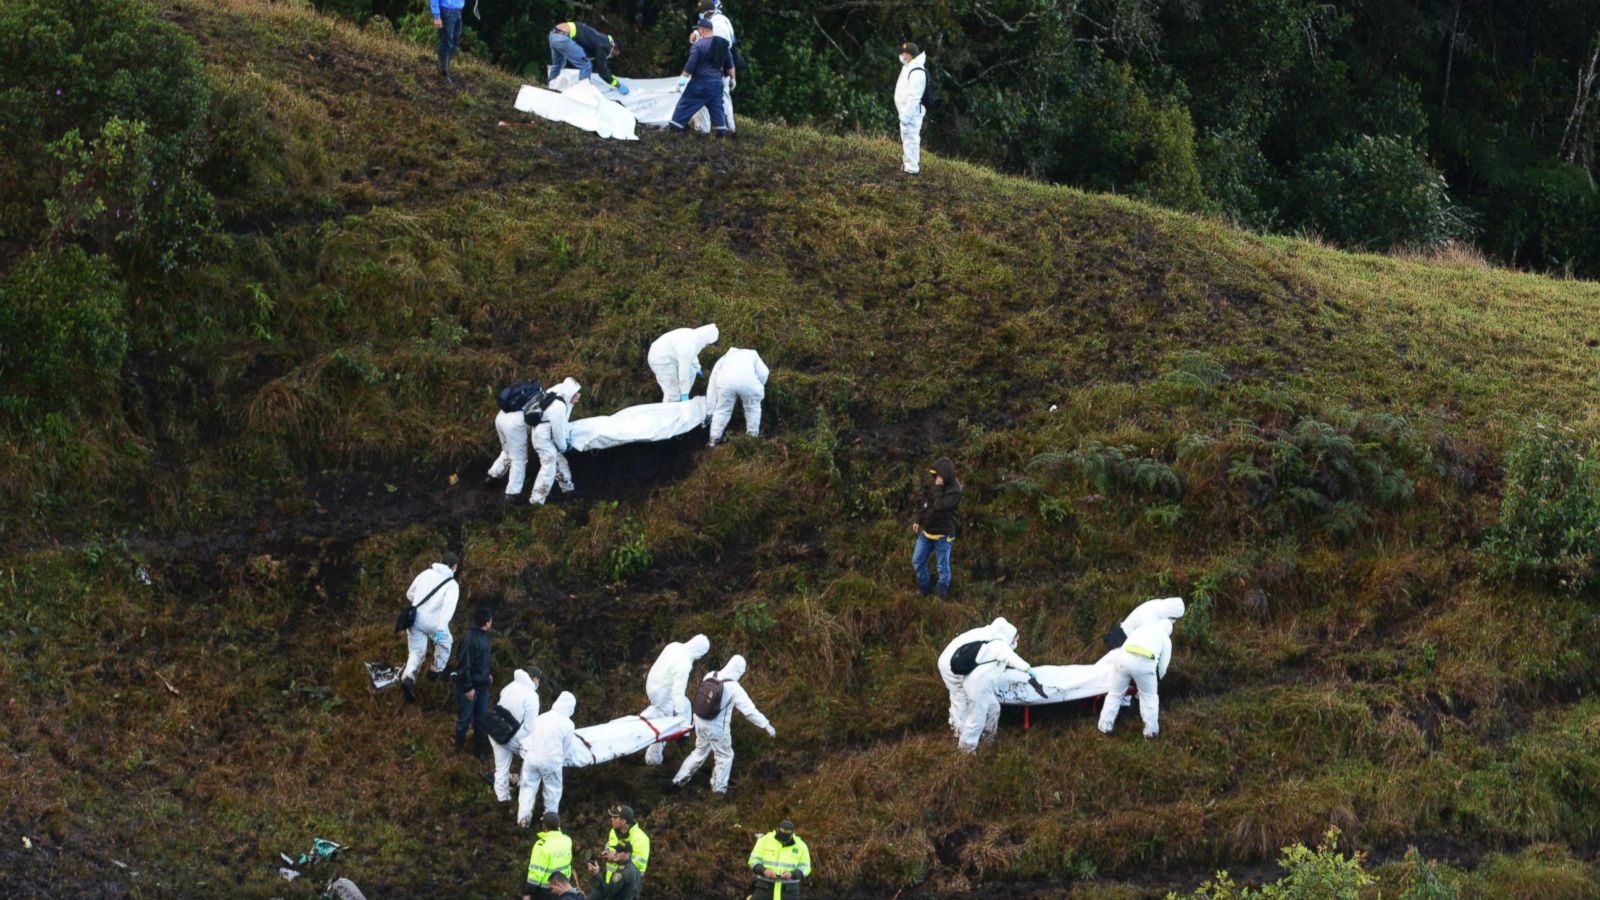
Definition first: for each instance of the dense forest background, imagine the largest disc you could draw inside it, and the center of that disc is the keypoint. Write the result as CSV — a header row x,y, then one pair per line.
x,y
1374,124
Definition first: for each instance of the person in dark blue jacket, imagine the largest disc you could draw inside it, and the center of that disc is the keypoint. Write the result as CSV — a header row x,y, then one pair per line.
x,y
447,19
701,81
473,681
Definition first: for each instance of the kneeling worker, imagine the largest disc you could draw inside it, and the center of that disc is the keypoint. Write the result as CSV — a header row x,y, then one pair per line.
x,y
779,861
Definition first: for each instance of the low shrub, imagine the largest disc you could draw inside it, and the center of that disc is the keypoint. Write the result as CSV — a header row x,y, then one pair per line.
x,y
1549,528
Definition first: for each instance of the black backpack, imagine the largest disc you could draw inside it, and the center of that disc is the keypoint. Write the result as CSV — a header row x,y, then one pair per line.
x,y
533,413
930,97
516,396
707,703
408,616
502,724
965,659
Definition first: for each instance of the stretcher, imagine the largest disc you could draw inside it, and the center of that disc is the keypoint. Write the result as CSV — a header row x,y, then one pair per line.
x,y
595,744
646,422
1061,684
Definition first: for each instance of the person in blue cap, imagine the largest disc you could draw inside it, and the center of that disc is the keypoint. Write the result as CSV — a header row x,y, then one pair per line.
x,y
701,81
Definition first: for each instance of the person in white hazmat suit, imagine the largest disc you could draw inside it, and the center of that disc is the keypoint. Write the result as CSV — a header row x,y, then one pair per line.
x,y
1142,660
739,375
983,660
550,440
434,593
1142,615
544,757
666,685
999,629
521,699
675,359
714,736
908,94
512,427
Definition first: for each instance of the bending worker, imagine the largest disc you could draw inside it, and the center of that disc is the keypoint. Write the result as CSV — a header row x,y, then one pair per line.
x,y
550,440
780,860
675,359
545,757
713,724
520,698
1142,615
512,426
1142,660
586,49
739,375
552,854
970,666
667,683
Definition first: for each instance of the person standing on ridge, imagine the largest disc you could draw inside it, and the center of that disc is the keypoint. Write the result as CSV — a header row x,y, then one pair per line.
x,y
909,93
433,595
472,683
701,82
447,20
586,49
936,526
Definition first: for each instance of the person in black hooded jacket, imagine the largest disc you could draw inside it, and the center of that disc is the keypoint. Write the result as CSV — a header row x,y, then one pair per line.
x,y
936,526
473,681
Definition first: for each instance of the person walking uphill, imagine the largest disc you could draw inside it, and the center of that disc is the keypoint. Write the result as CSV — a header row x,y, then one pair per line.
x,y
935,527
447,19
472,684
909,92
714,701
702,81
780,860
433,595
586,49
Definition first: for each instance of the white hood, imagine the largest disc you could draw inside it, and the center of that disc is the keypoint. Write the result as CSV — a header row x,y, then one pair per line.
x,y
705,335
734,670
567,389
524,679
1003,631
697,646
565,705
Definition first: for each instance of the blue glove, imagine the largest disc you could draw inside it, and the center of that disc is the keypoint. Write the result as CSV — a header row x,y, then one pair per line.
x,y
622,89
683,82
682,397
438,636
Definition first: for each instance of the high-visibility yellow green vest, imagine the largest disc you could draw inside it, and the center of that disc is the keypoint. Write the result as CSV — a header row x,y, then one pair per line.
x,y
640,854
552,853
769,854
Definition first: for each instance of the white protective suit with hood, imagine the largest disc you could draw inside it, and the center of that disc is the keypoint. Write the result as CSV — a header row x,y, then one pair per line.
x,y
667,683
433,619
982,686
521,699
544,754
998,629
1142,660
550,441
1151,611
513,431
739,375
675,359
714,737
908,93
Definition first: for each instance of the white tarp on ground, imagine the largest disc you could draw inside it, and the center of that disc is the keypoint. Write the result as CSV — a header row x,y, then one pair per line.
x,y
581,106
617,738
646,422
651,100
1061,683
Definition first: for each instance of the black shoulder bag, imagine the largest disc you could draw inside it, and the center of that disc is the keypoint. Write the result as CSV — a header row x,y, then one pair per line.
x,y
408,616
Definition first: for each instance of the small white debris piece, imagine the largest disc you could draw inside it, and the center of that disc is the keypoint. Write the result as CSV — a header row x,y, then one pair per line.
x,y
26,844
143,575
288,874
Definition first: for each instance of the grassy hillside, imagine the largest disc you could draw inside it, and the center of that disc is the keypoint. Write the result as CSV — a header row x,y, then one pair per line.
x,y
1307,445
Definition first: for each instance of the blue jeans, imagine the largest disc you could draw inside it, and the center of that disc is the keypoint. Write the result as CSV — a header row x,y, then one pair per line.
x,y
474,713
919,561
704,94
449,36
564,51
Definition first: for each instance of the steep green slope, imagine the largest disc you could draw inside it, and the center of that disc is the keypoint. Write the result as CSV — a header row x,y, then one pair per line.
x,y
1305,444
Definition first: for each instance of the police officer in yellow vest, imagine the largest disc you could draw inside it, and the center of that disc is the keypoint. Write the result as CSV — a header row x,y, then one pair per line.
x,y
552,853
779,861
624,829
